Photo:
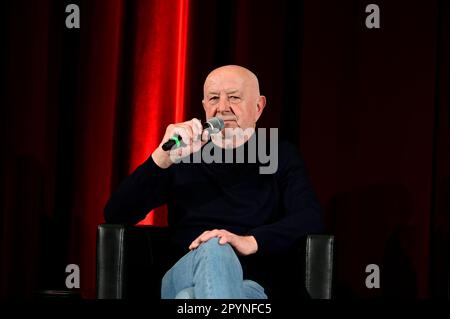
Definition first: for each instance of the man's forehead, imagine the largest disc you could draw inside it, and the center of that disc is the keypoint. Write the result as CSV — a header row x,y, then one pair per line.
x,y
218,84
230,78
223,79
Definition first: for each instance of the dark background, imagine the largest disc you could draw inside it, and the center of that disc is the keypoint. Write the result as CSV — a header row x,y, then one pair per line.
x,y
368,108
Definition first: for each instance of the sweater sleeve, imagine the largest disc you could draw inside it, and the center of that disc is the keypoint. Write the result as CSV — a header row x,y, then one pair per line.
x,y
300,211
146,188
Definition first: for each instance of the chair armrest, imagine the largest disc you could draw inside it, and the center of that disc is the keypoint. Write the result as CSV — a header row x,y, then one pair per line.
x,y
319,266
130,261
110,267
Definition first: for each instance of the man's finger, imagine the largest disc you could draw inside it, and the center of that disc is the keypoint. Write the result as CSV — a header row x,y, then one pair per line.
x,y
197,128
205,136
204,237
197,240
209,235
183,132
223,240
194,244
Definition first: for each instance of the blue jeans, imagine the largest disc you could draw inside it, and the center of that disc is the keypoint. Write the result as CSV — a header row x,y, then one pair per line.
x,y
212,271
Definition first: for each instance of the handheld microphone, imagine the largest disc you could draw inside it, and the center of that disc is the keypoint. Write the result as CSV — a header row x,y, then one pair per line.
x,y
213,125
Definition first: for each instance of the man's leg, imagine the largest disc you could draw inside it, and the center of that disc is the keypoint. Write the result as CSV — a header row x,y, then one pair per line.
x,y
212,270
217,272
253,290
187,293
178,278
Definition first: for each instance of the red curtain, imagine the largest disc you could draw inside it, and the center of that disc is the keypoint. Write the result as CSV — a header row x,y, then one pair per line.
x,y
377,185
157,57
371,107
98,80
156,100
159,63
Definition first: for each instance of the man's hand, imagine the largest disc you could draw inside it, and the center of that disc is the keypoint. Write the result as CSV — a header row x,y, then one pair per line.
x,y
244,245
193,137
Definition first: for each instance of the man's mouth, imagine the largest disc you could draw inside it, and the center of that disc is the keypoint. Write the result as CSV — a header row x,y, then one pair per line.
x,y
229,119
230,122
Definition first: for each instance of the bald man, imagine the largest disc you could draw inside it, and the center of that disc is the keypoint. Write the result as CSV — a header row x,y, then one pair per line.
x,y
231,93
223,216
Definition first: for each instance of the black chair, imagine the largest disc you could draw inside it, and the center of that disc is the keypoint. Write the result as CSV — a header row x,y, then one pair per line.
x,y
132,260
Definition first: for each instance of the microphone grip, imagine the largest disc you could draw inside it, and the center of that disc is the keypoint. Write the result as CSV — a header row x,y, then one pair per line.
x,y
177,141
174,140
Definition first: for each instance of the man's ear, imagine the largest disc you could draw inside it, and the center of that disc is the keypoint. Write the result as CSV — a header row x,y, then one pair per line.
x,y
260,104
203,103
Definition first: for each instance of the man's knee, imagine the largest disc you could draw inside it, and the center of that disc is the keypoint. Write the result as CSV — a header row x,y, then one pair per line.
x,y
212,247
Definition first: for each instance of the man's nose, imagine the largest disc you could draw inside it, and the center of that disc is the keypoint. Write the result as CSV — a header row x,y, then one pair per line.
x,y
224,105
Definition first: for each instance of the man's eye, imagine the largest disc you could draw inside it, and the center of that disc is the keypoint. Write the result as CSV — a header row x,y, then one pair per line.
x,y
213,98
235,98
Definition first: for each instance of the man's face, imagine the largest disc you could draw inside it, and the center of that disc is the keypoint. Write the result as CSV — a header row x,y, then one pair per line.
x,y
233,96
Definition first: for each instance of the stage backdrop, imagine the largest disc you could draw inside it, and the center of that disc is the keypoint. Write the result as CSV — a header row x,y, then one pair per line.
x,y
368,109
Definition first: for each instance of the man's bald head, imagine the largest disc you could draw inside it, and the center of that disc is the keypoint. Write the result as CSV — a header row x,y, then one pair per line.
x,y
232,93
248,78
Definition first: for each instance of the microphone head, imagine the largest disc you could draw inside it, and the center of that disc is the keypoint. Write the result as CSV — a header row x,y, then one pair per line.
x,y
215,125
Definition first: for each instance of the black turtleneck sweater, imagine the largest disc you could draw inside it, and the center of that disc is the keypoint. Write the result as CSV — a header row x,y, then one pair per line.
x,y
277,209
